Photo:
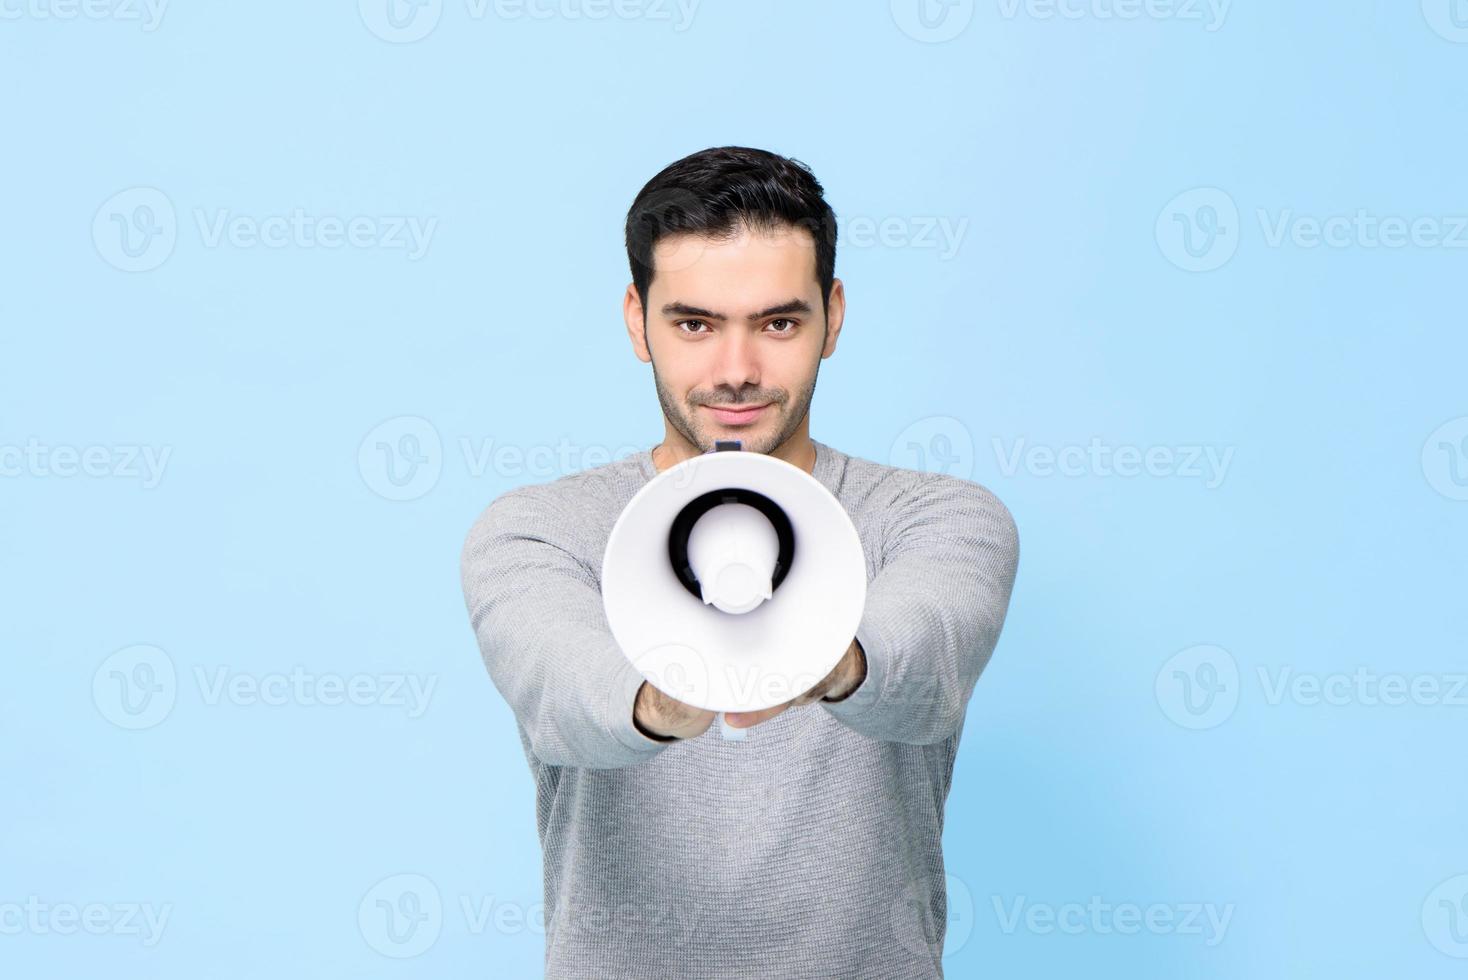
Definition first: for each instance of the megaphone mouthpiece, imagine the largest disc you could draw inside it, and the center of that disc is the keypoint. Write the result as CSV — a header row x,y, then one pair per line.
x,y
733,551
737,531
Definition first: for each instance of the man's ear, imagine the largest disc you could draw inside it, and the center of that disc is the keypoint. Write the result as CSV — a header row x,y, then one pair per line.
x,y
636,330
835,315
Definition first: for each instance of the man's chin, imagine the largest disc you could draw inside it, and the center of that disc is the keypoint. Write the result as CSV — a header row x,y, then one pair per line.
x,y
750,440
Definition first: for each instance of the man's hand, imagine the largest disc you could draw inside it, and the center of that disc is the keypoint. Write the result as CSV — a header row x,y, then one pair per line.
x,y
664,717
844,678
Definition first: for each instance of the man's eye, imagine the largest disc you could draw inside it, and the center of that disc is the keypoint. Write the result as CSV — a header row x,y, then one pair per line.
x,y
690,326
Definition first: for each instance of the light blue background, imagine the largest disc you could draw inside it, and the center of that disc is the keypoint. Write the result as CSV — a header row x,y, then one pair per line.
x,y
1334,539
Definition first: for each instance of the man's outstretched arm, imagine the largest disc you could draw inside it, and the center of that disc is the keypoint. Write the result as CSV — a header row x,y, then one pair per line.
x,y
543,634
934,610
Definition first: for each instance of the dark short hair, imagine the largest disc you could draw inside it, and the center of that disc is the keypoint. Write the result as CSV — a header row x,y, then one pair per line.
x,y
713,191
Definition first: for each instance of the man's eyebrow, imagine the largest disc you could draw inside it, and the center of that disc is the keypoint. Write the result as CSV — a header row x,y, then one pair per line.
x,y
677,308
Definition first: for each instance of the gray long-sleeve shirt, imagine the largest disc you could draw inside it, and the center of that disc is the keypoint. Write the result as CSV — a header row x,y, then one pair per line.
x,y
812,848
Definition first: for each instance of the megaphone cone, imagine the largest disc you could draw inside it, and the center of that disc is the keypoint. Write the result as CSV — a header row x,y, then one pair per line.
x,y
734,581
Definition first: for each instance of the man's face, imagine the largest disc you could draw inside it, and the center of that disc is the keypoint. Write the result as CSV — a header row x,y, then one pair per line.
x,y
735,324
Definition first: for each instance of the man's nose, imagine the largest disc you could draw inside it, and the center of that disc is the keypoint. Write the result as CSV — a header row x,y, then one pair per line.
x,y
738,361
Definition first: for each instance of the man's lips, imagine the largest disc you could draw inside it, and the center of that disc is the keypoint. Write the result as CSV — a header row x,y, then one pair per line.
x,y
736,414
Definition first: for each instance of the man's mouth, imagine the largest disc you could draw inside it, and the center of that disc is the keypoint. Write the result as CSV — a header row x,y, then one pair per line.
x,y
736,414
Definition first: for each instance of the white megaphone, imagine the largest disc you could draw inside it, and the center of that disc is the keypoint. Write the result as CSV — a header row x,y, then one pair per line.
x,y
734,581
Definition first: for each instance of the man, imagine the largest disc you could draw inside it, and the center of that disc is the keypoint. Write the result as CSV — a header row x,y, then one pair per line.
x,y
812,847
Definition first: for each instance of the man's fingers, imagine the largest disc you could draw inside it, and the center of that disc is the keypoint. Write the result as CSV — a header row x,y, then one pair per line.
x,y
665,715
748,719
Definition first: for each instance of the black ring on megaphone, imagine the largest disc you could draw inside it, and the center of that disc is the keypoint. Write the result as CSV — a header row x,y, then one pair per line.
x,y
698,506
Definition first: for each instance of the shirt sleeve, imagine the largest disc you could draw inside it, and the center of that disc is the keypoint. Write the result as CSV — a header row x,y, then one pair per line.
x,y
537,614
934,609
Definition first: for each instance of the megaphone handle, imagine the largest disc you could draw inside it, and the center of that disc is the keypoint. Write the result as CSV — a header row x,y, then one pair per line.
x,y
731,734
